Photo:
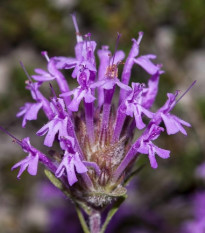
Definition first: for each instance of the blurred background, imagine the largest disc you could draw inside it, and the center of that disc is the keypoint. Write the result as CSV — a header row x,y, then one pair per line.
x,y
159,200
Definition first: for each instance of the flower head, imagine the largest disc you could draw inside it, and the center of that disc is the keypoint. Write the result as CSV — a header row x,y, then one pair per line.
x,y
95,143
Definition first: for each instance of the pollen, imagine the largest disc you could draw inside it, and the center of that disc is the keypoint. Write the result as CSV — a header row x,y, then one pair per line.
x,y
112,71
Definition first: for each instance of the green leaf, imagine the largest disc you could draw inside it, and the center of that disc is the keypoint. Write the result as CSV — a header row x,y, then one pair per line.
x,y
82,219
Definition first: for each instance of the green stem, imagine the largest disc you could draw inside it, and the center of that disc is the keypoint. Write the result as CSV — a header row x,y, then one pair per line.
x,y
95,221
82,220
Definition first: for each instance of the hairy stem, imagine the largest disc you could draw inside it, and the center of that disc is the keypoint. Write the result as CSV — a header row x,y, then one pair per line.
x,y
95,221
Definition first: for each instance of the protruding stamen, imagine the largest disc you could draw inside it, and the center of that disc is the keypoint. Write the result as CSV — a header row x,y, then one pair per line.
x,y
78,35
25,71
12,136
140,37
29,78
188,89
45,54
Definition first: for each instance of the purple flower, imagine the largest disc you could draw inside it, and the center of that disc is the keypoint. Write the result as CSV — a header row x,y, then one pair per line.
x,y
83,91
147,147
134,106
126,74
173,123
111,75
33,87
69,163
29,111
58,124
84,51
109,83
149,93
78,94
52,128
30,162
97,140
104,57
51,74
98,129
147,65
43,76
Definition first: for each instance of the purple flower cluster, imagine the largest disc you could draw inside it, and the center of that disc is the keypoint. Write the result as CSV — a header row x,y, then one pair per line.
x,y
95,138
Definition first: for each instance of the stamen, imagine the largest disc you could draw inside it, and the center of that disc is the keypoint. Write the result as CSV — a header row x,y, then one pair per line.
x,y
140,37
188,89
25,71
29,78
78,35
45,54
12,136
